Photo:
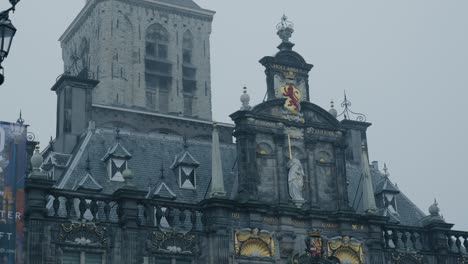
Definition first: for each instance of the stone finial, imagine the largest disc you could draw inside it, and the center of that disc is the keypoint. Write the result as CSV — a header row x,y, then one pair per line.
x,y
285,29
434,209
332,110
127,174
245,100
36,159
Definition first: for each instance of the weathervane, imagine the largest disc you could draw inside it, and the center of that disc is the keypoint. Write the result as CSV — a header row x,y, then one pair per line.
x,y
347,111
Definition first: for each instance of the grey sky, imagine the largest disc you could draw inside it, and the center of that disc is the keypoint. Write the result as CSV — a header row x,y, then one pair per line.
x,y
403,63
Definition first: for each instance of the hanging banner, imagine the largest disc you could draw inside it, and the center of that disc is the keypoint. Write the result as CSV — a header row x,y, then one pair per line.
x,y
12,174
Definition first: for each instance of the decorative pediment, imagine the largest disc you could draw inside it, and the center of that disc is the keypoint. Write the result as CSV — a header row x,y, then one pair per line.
x,y
309,113
162,191
173,242
83,235
117,151
254,243
185,159
88,183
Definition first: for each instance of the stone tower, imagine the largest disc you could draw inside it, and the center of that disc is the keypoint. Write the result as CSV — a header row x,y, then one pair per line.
x,y
151,55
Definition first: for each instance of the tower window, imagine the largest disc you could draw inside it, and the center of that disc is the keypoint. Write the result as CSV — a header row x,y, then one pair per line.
x,y
189,73
158,69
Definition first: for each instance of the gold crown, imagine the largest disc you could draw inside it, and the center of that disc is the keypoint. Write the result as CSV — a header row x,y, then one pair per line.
x,y
289,75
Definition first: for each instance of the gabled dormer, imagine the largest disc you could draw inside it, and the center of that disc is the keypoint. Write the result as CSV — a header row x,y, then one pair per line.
x,y
386,195
55,163
88,183
185,166
117,158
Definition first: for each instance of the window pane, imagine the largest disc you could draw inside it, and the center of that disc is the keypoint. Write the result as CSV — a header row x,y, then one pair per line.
x,y
162,51
93,258
71,257
183,261
150,49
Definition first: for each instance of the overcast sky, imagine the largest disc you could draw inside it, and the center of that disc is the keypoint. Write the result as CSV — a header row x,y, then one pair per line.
x,y
403,63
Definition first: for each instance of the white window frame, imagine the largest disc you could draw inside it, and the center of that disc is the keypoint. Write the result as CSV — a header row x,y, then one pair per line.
x,y
194,178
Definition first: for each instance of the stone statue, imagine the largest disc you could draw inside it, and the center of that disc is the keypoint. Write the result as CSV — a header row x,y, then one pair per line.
x,y
296,181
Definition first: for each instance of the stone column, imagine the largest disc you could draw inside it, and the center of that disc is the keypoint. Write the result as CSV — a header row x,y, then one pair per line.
x,y
313,195
248,174
343,202
127,198
36,186
283,193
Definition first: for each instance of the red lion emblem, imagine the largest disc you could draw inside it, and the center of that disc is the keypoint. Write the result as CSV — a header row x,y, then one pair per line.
x,y
293,96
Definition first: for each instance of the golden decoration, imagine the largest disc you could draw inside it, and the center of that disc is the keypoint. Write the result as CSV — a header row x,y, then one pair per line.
x,y
289,75
346,249
254,243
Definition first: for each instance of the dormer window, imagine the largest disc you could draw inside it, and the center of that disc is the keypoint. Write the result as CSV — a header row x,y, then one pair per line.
x,y
117,161
185,166
187,178
116,169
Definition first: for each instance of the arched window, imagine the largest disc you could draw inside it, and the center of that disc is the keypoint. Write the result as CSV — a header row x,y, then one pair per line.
x,y
189,73
158,69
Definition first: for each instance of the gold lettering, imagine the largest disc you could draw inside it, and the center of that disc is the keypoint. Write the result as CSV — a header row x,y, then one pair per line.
x,y
270,220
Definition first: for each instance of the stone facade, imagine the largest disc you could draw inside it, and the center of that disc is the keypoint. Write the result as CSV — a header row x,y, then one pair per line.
x,y
122,183
109,38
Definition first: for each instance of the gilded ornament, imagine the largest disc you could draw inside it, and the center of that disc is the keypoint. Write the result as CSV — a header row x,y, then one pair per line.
x,y
254,243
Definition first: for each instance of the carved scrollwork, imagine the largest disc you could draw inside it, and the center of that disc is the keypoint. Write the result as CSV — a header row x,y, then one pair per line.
x,y
407,258
173,242
83,234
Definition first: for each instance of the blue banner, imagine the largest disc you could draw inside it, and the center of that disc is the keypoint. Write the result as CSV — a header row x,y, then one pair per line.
x,y
12,174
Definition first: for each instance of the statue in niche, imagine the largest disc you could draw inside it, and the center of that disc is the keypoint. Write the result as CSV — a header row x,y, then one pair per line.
x,y
296,181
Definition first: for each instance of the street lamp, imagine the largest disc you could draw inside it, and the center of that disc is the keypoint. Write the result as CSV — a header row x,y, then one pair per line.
x,y
7,32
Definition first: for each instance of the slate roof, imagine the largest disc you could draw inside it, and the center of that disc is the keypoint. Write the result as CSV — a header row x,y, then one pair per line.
x,y
57,159
148,152
385,185
408,213
184,3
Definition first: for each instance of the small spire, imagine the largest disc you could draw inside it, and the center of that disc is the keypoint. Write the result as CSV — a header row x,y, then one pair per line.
x,y
51,144
117,134
186,146
88,164
332,110
245,100
20,120
217,178
162,170
385,169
